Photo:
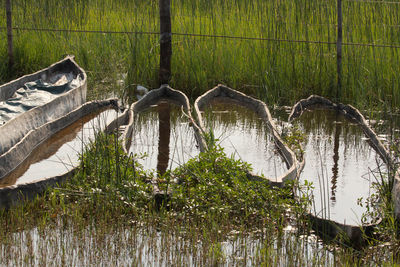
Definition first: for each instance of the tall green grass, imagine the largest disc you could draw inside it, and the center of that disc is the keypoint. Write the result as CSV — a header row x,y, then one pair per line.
x,y
276,71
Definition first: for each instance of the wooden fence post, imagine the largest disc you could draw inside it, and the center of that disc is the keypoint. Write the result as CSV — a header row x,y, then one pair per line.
x,y
339,49
165,41
9,35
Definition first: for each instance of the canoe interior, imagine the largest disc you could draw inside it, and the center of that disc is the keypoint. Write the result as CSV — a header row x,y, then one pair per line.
x,y
67,65
37,93
63,88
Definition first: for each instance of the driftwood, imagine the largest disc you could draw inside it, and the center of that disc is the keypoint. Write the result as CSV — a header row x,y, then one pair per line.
x,y
224,93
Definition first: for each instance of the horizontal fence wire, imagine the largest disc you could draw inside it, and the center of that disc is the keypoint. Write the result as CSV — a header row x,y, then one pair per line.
x,y
374,2
203,36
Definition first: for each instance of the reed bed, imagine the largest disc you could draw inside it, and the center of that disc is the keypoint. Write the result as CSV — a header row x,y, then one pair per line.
x,y
276,70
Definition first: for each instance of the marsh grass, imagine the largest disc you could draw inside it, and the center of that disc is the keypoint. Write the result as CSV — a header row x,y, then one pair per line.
x,y
276,71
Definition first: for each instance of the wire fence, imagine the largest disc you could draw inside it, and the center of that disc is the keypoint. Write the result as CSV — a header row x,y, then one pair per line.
x,y
374,2
321,42
203,36
335,26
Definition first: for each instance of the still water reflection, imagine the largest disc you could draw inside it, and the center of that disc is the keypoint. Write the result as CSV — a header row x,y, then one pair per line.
x,y
244,136
60,153
340,163
162,137
164,133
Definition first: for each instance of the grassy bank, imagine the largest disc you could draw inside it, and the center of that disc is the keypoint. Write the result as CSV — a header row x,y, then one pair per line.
x,y
276,71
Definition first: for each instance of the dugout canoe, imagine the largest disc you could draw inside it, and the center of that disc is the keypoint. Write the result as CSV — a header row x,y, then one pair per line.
x,y
154,97
13,191
223,93
355,235
31,104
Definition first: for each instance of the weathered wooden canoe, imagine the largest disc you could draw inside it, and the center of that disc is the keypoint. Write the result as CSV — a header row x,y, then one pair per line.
x,y
226,94
153,97
13,192
330,228
29,105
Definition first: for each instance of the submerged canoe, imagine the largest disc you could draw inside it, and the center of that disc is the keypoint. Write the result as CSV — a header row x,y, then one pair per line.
x,y
322,222
56,159
29,104
165,95
225,94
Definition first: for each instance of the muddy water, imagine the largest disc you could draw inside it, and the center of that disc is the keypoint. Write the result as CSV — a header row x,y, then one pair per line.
x,y
245,136
340,163
162,138
61,152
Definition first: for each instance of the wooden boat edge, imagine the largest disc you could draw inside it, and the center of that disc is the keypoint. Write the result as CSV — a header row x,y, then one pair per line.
x,y
14,194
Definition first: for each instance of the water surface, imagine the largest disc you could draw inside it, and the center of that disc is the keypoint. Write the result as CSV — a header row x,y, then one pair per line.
x,y
162,138
341,165
148,246
245,136
61,152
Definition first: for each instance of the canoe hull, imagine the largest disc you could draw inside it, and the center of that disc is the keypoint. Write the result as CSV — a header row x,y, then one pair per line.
x,y
20,135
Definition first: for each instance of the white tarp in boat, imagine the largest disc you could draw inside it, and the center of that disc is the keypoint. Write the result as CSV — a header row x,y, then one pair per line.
x,y
33,101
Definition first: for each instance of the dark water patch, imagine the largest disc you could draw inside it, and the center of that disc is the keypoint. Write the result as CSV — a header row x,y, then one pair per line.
x,y
162,137
340,163
245,136
60,153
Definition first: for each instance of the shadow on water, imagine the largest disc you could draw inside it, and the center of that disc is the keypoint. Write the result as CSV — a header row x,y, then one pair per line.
x,y
162,137
164,129
341,164
61,152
